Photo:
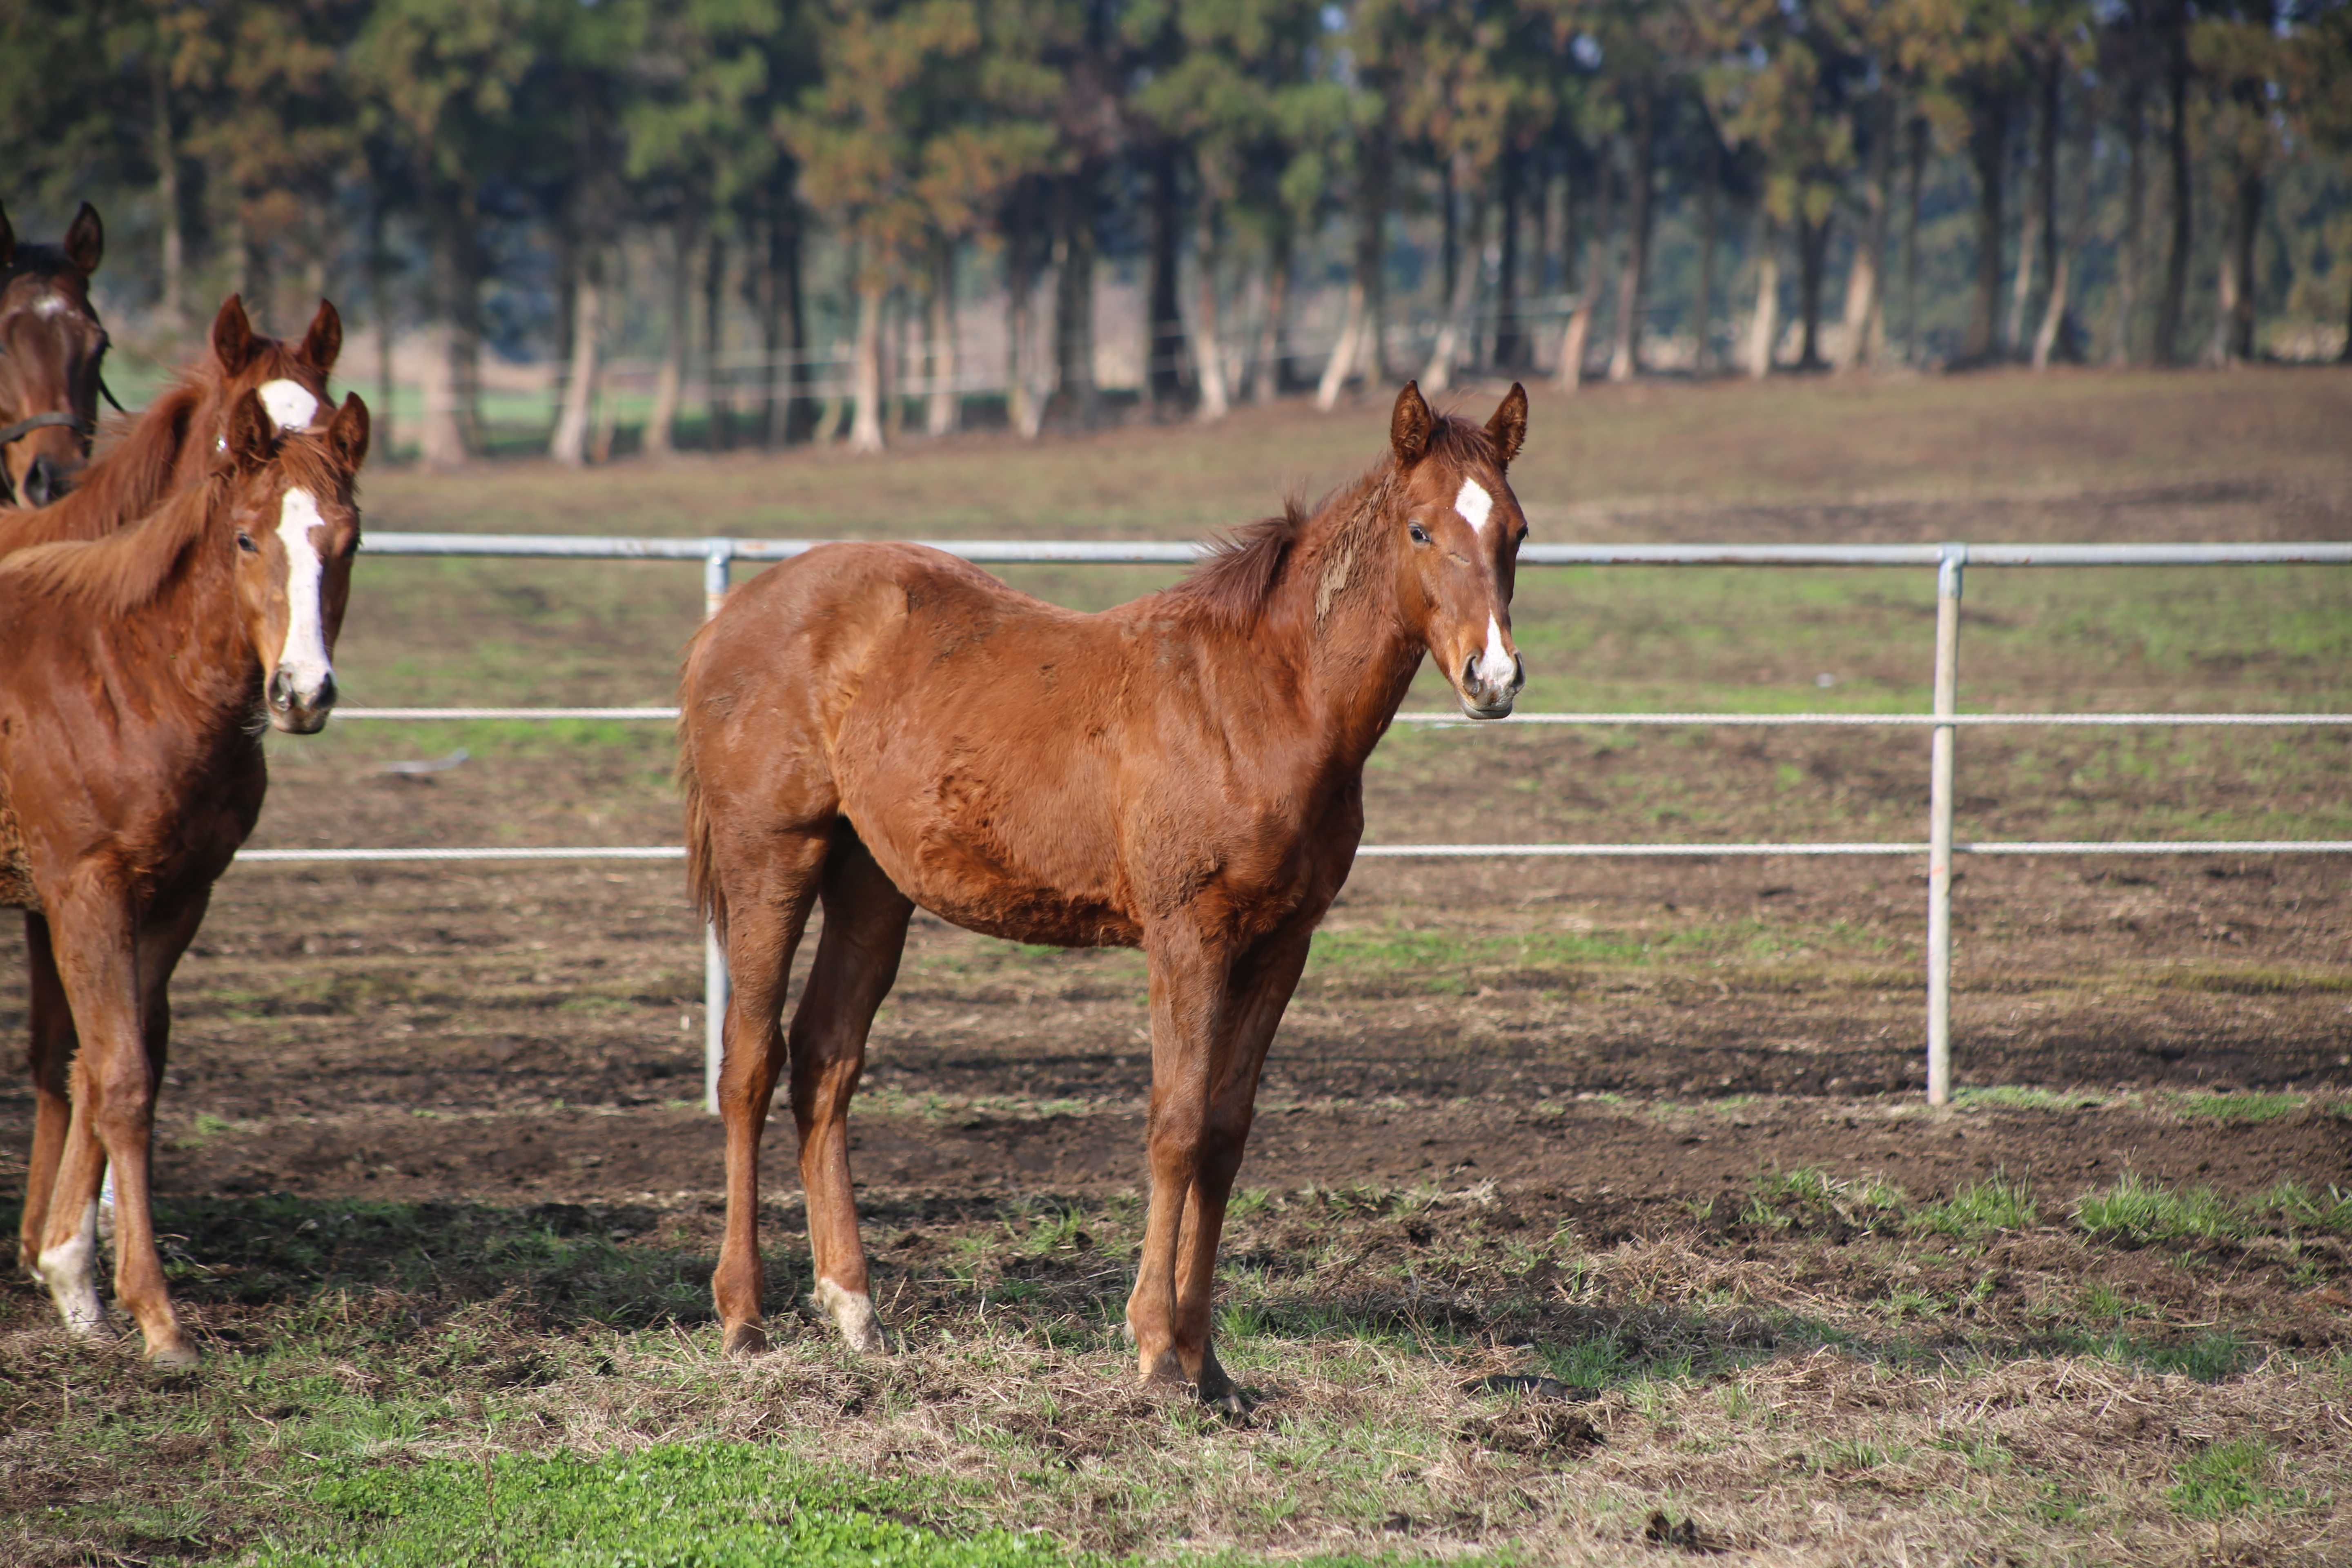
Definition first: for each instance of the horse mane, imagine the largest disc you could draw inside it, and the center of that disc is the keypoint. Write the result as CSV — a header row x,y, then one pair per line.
x,y
119,573
125,481
1243,570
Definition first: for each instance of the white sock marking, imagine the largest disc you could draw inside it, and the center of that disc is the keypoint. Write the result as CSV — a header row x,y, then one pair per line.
x,y
852,1312
304,656
66,1267
1474,505
289,404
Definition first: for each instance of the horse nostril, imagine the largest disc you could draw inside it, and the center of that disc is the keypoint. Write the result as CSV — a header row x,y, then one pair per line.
x,y
42,484
281,691
1518,673
326,698
1470,670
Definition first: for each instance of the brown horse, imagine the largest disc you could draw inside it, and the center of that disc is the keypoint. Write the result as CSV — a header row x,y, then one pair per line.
x,y
135,680
51,348
879,726
176,439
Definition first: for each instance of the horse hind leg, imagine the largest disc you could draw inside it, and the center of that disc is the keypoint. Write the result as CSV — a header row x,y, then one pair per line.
x,y
49,1055
856,963
766,913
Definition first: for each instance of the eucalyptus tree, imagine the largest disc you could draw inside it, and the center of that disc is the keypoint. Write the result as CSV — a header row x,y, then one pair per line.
x,y
896,150
437,80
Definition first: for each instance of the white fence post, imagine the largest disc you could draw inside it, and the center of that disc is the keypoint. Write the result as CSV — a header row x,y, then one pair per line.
x,y
716,562
1952,559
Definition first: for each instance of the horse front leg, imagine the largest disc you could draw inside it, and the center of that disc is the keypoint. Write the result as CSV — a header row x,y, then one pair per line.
x,y
113,1124
856,963
1258,993
1188,996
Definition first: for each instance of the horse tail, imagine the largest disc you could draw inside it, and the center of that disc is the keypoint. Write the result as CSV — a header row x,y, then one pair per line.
x,y
709,898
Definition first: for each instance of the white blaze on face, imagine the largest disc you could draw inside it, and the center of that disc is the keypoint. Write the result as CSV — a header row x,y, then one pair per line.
x,y
304,656
51,305
1495,666
1475,506
289,405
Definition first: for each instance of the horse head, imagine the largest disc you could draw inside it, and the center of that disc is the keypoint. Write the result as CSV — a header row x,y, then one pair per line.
x,y
290,497
1461,527
291,380
52,345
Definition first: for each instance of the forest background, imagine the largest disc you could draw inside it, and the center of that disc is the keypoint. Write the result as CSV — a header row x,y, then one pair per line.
x,y
592,226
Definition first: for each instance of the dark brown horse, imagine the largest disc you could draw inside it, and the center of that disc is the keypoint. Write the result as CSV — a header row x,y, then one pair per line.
x,y
176,439
52,347
877,726
134,680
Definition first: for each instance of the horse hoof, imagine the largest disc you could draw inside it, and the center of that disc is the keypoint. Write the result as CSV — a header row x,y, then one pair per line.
x,y
747,1340
174,1356
1162,1370
852,1311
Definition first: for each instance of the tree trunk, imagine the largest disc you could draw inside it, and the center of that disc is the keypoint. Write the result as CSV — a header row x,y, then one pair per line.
x,y
1207,346
1461,284
1918,159
1163,343
714,339
1343,363
1988,150
2036,241
569,445
170,311
776,291
603,395
379,273
444,439
1764,326
1021,408
661,425
865,369
943,409
2173,303
1507,342
1267,374
1710,198
2130,243
758,285
894,366
1812,261
2058,337
1578,334
2233,316
1074,305
1438,373
1624,356
1862,286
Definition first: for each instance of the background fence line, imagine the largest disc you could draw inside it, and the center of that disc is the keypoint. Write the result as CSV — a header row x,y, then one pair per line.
x,y
1950,561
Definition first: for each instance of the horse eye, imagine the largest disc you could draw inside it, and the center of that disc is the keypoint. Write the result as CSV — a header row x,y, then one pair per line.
x,y
1420,534
244,543
1522,539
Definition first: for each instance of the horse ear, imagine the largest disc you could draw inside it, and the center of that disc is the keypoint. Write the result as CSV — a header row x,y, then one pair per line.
x,y
1508,428
252,435
324,340
232,336
1410,426
347,438
7,239
85,240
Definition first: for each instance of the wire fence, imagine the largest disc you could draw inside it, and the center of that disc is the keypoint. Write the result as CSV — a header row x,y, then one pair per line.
x,y
1950,560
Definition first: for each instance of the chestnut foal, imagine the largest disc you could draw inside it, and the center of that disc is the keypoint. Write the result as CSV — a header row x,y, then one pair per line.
x,y
134,682
879,726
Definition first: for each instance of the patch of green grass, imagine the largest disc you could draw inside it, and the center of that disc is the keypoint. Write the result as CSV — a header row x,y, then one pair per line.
x,y
2299,1208
2228,1479
2244,1108
2143,1211
2207,1358
1973,1213
715,1504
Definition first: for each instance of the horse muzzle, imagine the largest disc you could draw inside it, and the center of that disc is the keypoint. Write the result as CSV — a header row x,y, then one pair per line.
x,y
296,711
1485,695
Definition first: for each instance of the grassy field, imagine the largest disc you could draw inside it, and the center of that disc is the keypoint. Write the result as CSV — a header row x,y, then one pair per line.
x,y
1591,1213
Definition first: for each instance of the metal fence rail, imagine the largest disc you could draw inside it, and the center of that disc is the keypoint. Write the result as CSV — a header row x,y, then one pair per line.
x,y
1950,561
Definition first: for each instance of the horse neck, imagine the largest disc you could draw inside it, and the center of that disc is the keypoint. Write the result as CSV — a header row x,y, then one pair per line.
x,y
1360,655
